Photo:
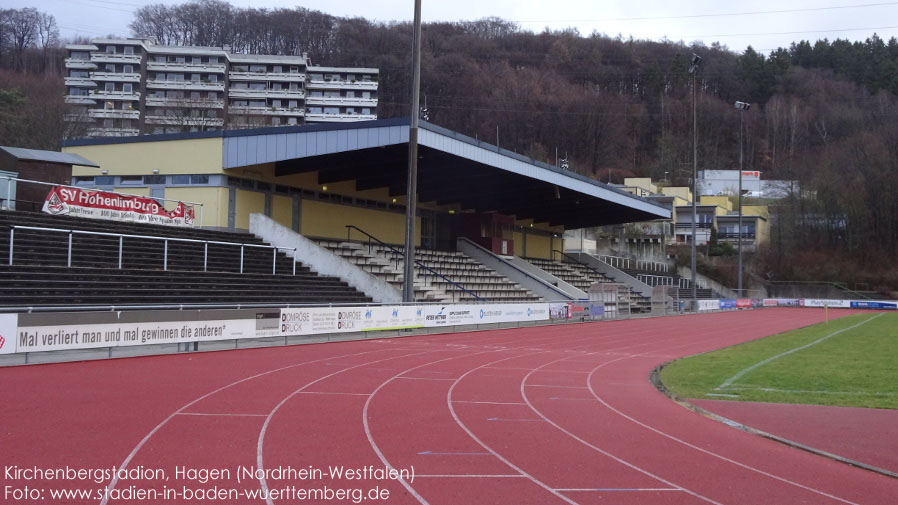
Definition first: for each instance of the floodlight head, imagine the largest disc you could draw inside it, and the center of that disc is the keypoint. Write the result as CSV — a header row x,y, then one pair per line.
x,y
694,63
742,106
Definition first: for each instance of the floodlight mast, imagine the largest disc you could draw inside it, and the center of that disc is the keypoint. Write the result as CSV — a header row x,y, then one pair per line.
x,y
741,107
693,69
408,282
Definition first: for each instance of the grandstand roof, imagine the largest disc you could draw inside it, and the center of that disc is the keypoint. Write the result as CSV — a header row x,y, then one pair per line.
x,y
20,153
453,169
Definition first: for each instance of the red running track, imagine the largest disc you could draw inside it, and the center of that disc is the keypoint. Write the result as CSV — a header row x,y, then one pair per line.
x,y
558,414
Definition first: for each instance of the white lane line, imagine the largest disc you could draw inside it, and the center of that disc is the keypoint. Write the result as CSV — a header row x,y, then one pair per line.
x,y
599,449
761,363
219,415
491,403
263,482
367,427
600,489
469,476
331,393
703,450
425,378
554,386
148,436
501,458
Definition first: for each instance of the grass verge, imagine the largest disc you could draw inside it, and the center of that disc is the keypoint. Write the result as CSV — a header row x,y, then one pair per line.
x,y
851,361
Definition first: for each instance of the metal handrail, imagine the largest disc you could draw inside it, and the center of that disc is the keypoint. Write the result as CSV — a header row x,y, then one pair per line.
x,y
9,190
123,236
350,227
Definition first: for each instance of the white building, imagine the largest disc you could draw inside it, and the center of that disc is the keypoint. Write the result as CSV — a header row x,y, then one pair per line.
x,y
123,87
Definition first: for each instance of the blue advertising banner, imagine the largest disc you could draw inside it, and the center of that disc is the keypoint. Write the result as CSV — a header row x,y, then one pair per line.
x,y
728,304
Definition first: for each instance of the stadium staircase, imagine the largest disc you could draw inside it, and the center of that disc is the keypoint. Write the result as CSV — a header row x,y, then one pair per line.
x,y
658,274
40,275
448,276
583,277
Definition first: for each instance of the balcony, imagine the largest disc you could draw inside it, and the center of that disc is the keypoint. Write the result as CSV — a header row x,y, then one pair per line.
x,y
185,85
698,226
266,111
292,94
113,132
80,99
191,103
266,76
363,85
80,64
341,100
100,94
133,59
114,113
115,76
735,235
171,66
84,82
185,121
339,118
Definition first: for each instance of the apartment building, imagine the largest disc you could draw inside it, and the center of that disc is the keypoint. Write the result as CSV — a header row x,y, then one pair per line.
x,y
125,87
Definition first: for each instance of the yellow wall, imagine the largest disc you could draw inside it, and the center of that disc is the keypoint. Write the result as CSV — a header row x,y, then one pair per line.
x,y
247,203
641,182
282,210
679,191
134,191
720,201
214,200
518,238
194,156
538,246
762,231
321,219
756,210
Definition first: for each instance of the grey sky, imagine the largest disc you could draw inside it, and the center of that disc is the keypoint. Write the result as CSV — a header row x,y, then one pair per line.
x,y
763,24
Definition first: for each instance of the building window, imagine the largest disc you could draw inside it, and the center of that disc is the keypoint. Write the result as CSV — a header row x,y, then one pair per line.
x,y
331,110
213,59
366,111
104,180
314,110
195,77
277,69
129,49
107,123
196,60
294,70
276,103
180,59
130,179
154,179
276,121
257,68
79,73
78,55
128,69
292,104
109,87
127,87
213,78
196,95
291,120
257,85
110,49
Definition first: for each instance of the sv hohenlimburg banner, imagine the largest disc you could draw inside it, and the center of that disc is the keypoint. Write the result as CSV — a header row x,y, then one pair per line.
x,y
115,207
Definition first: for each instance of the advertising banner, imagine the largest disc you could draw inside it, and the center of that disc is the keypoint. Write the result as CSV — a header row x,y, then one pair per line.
x,y
743,303
728,304
787,302
708,305
769,302
115,207
86,336
833,304
8,323
874,305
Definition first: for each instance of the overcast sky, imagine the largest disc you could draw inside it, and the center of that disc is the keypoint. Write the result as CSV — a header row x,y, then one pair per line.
x,y
763,24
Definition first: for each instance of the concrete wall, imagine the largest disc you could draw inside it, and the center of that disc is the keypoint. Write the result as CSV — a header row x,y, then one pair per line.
x,y
321,260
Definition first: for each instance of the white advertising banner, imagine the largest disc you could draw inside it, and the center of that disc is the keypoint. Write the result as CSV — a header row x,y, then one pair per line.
x,y
8,324
833,304
708,305
769,302
86,336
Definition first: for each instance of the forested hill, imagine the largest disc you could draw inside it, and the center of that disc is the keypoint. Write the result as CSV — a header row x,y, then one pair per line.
x,y
824,113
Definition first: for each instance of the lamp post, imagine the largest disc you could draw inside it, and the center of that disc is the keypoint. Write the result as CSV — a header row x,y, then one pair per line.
x,y
408,282
693,69
741,107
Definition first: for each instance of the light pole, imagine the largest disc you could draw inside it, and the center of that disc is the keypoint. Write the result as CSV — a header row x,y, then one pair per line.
x,y
741,107
408,282
693,69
